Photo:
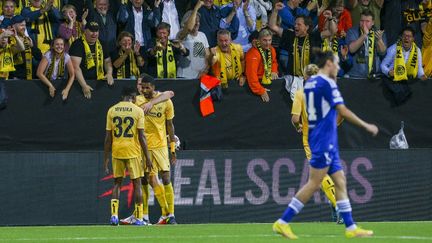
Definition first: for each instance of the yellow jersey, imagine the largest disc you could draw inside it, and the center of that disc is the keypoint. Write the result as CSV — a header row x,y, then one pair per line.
x,y
299,108
155,122
123,120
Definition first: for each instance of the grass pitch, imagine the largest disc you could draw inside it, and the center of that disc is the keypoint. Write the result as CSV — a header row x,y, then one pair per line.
x,y
308,232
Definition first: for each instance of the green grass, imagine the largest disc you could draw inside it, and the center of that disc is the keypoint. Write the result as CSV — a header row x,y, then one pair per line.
x,y
308,232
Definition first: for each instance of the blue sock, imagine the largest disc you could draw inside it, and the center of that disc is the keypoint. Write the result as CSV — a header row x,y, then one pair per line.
x,y
293,208
345,211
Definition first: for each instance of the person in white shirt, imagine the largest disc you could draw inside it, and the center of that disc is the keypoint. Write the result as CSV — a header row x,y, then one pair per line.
x,y
408,65
196,63
53,67
170,15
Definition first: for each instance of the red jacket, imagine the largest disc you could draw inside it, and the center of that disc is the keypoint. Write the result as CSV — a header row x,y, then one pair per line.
x,y
345,22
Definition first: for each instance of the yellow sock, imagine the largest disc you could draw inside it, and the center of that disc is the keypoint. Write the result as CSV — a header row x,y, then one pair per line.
x,y
138,211
145,193
327,185
169,195
160,196
114,207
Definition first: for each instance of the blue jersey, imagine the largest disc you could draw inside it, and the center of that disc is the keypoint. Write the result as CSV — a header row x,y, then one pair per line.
x,y
322,96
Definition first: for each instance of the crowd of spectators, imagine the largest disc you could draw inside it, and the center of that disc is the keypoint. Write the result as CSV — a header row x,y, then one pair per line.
x,y
237,41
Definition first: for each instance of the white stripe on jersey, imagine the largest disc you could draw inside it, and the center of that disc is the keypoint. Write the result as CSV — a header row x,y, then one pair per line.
x,y
325,107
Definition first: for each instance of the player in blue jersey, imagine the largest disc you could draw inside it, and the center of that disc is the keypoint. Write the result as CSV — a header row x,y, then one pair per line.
x,y
323,103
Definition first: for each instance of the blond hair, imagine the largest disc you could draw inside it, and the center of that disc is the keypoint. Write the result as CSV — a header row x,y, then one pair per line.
x,y
311,69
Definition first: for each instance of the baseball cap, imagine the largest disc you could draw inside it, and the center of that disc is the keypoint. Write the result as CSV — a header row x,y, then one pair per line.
x,y
17,19
92,26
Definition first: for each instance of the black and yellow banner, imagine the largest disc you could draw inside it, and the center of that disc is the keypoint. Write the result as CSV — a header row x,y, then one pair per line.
x,y
416,15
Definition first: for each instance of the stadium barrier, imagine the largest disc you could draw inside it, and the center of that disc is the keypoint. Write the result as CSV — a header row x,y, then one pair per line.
x,y
56,188
33,121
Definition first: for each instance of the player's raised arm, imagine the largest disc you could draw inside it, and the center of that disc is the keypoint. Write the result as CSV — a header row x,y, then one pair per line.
x,y
354,119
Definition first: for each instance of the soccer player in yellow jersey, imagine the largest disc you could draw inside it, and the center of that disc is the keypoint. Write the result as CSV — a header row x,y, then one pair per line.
x,y
159,122
159,112
126,141
300,122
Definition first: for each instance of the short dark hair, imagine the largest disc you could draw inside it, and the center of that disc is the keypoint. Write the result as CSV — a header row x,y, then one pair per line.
x,y
307,21
408,28
128,91
321,58
146,78
164,25
368,12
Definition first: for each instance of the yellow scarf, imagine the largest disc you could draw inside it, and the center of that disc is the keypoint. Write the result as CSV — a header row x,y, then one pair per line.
x,y
371,50
91,62
42,28
267,62
236,67
301,60
6,61
18,59
171,66
134,71
334,45
78,27
402,70
61,65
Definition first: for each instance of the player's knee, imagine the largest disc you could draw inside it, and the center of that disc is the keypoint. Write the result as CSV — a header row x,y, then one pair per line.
x,y
166,178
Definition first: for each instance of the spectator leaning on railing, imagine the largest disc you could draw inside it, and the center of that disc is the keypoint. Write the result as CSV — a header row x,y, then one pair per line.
x,y
261,65
227,60
89,59
402,63
53,67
